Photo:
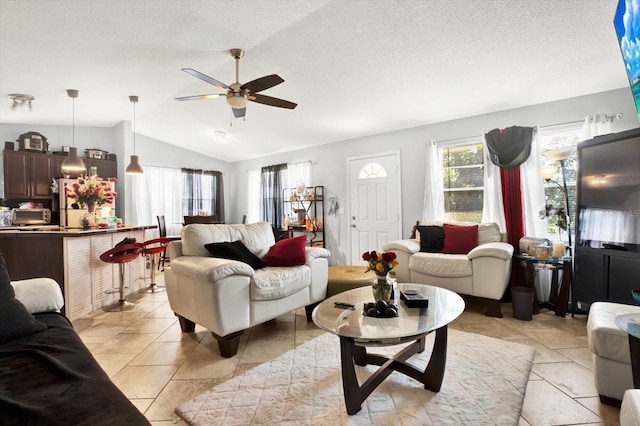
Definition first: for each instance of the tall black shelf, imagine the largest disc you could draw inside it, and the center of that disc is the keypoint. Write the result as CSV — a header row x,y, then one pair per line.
x,y
607,263
304,213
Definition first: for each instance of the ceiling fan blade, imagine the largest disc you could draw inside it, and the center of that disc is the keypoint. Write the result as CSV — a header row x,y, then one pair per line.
x,y
268,100
204,77
262,83
239,112
194,97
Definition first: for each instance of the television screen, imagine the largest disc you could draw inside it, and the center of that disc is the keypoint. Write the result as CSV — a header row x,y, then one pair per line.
x,y
609,192
627,24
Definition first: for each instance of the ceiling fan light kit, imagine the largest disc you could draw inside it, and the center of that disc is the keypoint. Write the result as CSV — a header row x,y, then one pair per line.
x,y
238,94
73,163
134,167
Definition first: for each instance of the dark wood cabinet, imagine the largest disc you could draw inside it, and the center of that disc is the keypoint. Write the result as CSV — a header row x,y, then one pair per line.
x,y
106,168
27,175
604,275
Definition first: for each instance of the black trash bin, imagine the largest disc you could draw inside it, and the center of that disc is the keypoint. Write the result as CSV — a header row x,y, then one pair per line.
x,y
522,299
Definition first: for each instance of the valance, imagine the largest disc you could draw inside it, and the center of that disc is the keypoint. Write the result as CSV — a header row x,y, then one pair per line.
x,y
509,147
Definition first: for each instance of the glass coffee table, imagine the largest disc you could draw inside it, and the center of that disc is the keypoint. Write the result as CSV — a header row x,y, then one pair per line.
x,y
630,323
357,331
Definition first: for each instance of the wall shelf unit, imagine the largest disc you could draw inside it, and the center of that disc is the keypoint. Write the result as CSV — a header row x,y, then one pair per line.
x,y
304,213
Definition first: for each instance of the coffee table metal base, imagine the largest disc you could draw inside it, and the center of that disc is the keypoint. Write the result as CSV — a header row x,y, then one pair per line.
x,y
352,354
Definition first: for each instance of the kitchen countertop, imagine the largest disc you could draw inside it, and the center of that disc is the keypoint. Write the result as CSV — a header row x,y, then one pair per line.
x,y
68,231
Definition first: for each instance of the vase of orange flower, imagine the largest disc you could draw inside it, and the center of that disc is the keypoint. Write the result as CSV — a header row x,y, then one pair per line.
x,y
382,265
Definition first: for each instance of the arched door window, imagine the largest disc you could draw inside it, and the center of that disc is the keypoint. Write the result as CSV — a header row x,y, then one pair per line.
x,y
372,171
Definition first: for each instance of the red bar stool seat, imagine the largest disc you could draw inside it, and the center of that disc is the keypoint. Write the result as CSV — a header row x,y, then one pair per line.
x,y
121,254
154,248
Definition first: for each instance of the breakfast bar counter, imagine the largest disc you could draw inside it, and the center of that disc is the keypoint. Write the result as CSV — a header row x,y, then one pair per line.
x,y
71,256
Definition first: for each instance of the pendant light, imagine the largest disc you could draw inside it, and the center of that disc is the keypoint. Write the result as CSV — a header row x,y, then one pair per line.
x,y
134,168
73,163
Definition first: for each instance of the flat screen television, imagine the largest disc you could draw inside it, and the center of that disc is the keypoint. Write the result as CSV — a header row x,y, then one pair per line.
x,y
608,215
627,24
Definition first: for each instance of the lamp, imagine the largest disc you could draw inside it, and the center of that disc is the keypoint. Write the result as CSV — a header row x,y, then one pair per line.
x,y
19,100
134,168
236,100
73,163
547,172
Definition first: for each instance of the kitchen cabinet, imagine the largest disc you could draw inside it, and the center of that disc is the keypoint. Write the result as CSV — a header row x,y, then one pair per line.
x,y
27,175
304,213
72,259
106,168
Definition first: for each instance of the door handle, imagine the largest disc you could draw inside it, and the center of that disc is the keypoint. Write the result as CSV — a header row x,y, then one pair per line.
x,y
353,226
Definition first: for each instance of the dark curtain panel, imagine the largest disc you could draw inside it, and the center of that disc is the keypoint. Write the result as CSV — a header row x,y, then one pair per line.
x,y
272,183
514,217
219,196
202,191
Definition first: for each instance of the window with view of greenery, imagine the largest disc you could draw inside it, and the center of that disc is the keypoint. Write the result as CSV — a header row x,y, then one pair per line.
x,y
555,137
462,174
463,169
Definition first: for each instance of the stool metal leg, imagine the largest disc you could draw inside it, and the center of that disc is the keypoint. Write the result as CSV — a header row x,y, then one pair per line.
x,y
122,304
153,288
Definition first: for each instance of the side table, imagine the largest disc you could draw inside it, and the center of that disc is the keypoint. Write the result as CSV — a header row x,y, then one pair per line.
x,y
559,294
630,323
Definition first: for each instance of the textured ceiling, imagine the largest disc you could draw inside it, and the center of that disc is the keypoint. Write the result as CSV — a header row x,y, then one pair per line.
x,y
355,68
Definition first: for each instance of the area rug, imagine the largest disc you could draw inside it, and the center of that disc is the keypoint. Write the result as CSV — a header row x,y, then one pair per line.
x,y
484,384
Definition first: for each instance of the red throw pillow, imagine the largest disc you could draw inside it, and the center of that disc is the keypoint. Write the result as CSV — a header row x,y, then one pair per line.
x,y
287,252
459,239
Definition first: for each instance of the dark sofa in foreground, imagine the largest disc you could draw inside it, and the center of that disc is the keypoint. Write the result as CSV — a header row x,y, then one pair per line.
x,y
47,375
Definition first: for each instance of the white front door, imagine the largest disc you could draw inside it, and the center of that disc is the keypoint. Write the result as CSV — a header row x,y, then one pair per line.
x,y
374,202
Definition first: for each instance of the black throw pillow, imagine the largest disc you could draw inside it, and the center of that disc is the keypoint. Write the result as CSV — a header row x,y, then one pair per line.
x,y
431,238
15,320
235,250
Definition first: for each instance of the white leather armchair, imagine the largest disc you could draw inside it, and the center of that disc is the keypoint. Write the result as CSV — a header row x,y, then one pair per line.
x,y
229,296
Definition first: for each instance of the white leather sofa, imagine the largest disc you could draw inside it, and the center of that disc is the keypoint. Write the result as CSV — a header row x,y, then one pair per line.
x,y
630,408
229,296
484,272
609,347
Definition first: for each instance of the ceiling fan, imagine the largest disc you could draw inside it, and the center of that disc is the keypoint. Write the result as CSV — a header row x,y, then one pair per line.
x,y
238,94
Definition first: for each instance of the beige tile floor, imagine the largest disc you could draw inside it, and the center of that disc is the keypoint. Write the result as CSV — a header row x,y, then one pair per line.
x,y
158,367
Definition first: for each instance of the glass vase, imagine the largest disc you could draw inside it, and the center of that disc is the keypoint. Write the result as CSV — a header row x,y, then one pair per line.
x,y
88,220
383,288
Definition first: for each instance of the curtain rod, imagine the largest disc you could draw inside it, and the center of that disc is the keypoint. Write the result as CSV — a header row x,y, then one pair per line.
x,y
538,126
469,138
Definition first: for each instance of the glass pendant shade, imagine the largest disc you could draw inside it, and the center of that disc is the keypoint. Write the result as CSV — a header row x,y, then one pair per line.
x,y
73,163
547,172
134,167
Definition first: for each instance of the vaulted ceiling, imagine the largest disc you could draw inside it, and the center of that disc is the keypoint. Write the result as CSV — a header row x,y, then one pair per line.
x,y
354,68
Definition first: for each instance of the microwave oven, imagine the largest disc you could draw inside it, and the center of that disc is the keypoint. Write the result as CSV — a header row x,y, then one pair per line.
x,y
31,216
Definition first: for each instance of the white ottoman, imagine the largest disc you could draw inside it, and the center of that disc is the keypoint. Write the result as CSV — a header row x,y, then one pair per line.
x,y
610,348
630,409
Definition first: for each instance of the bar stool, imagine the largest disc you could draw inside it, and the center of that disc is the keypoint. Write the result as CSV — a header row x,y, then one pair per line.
x,y
154,248
162,229
121,254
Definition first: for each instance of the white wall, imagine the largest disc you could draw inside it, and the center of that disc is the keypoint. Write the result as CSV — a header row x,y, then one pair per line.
x,y
329,161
